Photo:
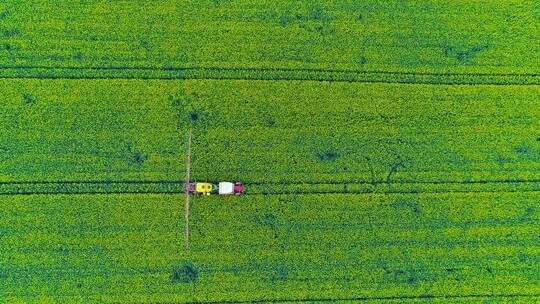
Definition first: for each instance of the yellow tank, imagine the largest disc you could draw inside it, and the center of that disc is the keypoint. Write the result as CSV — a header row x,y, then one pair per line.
x,y
204,188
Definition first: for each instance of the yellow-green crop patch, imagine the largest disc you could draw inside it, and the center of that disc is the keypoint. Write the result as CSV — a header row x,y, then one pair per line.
x,y
325,215
269,131
128,248
449,42
390,151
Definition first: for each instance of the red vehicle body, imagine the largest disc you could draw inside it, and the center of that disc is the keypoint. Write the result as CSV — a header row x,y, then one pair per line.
x,y
238,188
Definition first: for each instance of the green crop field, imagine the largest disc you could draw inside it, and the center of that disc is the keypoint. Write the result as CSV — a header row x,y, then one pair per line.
x,y
390,151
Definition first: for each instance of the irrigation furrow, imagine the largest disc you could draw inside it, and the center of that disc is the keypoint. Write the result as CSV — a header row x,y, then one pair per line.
x,y
255,182
493,297
277,192
278,74
267,188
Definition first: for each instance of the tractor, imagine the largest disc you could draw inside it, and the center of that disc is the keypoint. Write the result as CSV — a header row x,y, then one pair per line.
x,y
222,188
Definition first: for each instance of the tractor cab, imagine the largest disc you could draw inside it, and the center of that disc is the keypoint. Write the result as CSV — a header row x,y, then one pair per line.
x,y
200,188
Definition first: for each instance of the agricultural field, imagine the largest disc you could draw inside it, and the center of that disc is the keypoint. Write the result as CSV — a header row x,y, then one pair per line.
x,y
353,191
124,248
428,41
390,151
306,132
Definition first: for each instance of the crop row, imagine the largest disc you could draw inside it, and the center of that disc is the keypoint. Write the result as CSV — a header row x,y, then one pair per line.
x,y
214,73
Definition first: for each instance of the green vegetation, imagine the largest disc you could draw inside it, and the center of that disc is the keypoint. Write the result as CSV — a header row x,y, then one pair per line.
x,y
491,38
390,149
411,146
305,132
123,248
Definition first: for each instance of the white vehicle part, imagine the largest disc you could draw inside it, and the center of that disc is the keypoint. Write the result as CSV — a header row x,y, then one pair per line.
x,y
226,188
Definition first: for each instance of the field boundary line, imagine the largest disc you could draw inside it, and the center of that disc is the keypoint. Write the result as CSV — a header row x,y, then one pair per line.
x,y
89,187
95,187
267,193
268,74
329,300
381,298
264,70
180,181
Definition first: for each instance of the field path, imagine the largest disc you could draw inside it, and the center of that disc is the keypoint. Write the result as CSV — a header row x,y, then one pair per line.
x,y
186,193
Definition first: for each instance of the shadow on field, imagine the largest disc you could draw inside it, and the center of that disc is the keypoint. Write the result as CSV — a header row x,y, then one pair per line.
x,y
187,272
